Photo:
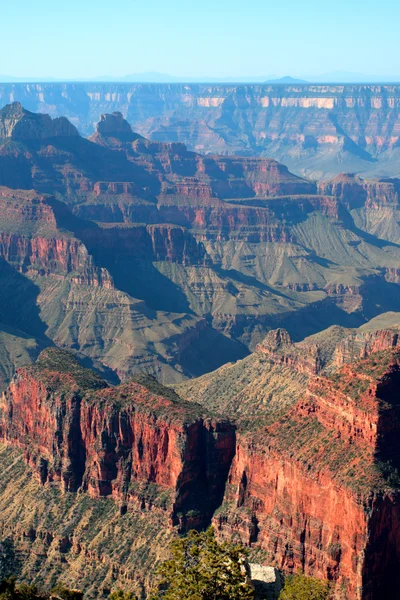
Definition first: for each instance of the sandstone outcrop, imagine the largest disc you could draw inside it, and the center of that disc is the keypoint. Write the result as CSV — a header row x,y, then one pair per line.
x,y
115,126
355,192
279,348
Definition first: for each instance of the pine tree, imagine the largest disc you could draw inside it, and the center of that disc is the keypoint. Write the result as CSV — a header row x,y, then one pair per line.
x,y
203,569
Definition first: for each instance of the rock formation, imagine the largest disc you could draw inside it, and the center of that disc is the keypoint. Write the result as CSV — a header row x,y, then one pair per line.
x,y
145,257
17,123
74,270
187,226
115,126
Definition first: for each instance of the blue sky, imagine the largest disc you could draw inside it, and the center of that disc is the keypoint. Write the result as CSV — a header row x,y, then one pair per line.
x,y
218,38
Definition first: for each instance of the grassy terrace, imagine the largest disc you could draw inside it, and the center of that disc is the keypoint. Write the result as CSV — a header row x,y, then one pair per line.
x,y
61,372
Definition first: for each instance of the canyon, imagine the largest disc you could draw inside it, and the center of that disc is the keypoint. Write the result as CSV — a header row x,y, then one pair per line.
x,y
190,339
314,482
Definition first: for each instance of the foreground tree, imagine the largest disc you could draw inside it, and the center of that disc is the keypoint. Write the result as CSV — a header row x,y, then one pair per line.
x,y
10,590
203,569
300,587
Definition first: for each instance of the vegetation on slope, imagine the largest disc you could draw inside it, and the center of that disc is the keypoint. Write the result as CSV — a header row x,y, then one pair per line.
x,y
203,569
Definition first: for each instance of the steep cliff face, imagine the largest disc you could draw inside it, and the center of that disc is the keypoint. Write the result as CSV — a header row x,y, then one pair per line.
x,y
254,218
355,192
50,156
309,483
279,349
170,243
314,490
117,441
186,174
31,240
362,345
268,382
374,204
89,543
79,285
35,235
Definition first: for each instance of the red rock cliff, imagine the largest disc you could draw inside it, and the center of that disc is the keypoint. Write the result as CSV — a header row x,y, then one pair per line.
x,y
129,442
355,192
315,490
31,239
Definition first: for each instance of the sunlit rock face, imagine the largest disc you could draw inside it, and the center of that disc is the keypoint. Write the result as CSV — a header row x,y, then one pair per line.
x,y
18,123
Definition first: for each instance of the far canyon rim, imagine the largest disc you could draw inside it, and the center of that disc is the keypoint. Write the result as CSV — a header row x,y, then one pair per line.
x,y
317,130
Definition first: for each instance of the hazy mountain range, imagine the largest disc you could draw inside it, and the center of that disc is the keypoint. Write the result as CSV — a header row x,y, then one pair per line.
x,y
155,77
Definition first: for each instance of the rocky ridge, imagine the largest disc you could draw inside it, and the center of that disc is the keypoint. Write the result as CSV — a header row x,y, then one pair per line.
x,y
20,124
277,373
224,248
316,487
60,270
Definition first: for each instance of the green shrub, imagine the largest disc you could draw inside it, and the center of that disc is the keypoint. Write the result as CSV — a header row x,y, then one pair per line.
x,y
62,593
300,587
10,590
121,595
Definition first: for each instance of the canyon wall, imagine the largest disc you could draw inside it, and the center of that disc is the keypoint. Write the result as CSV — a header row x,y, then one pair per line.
x,y
153,231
